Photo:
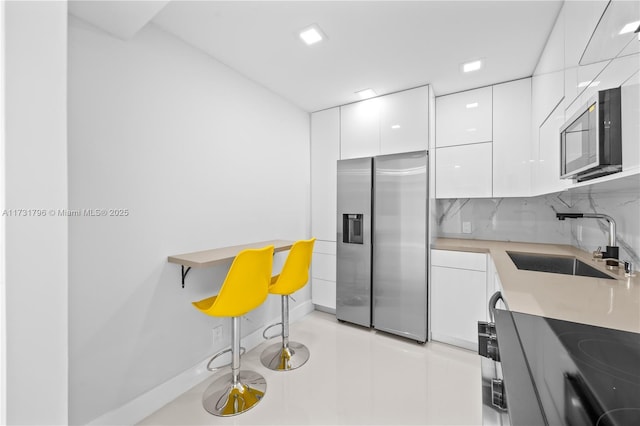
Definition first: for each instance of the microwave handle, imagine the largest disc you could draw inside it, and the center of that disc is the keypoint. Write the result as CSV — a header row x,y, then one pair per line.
x,y
493,301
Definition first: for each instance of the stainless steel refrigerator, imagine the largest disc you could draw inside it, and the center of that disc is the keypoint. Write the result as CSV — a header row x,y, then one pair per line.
x,y
382,222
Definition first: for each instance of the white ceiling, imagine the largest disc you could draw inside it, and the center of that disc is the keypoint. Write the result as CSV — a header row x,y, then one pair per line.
x,y
122,19
383,45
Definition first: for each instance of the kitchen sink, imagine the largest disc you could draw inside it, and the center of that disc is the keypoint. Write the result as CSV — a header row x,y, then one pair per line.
x,y
554,264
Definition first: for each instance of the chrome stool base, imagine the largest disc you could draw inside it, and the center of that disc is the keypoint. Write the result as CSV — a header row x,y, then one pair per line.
x,y
279,358
224,399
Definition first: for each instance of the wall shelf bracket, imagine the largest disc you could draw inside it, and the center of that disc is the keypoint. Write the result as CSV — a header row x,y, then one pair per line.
x,y
184,273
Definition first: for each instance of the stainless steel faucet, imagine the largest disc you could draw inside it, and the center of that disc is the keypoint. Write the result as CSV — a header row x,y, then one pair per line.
x,y
612,250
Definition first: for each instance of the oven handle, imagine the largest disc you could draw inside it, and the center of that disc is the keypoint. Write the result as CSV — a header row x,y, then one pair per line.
x,y
493,301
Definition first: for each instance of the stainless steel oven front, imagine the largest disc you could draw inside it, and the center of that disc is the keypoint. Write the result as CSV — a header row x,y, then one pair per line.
x,y
499,345
494,404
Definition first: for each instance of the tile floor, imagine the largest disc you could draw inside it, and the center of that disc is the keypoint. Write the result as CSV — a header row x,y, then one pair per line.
x,y
354,377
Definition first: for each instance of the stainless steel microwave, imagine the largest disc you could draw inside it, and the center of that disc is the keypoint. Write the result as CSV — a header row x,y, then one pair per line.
x,y
591,141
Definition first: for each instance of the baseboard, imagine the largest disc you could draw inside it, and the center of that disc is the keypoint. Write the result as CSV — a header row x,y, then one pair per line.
x,y
325,309
137,409
461,343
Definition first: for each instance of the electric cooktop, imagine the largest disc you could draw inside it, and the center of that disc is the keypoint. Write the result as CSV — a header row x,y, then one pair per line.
x,y
582,374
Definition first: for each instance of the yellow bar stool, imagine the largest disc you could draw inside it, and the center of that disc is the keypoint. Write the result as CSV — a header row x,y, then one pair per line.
x,y
294,275
244,289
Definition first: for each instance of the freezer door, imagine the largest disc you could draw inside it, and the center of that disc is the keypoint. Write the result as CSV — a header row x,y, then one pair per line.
x,y
399,278
353,274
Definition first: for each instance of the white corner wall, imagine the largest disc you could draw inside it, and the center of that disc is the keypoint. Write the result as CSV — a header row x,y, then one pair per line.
x,y
199,157
35,179
3,305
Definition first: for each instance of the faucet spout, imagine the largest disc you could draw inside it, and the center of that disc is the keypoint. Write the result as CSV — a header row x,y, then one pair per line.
x,y
612,223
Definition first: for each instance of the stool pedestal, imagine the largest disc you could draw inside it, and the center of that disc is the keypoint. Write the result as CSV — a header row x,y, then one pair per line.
x,y
285,355
235,392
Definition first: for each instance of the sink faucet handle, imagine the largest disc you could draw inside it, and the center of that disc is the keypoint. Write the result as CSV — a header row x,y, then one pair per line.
x,y
597,254
628,268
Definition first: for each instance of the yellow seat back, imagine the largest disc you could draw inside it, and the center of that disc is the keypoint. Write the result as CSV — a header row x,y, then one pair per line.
x,y
295,272
245,287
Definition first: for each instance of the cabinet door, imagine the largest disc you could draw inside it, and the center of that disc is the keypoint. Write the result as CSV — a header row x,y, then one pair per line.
x,y
546,176
404,121
458,302
548,77
360,129
512,139
630,94
323,275
464,117
464,171
325,152
580,19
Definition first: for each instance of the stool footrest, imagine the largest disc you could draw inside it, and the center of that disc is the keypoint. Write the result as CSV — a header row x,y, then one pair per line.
x,y
218,355
264,333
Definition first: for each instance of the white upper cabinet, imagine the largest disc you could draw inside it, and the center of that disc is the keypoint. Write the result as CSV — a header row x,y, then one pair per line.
x,y
404,121
546,173
325,152
495,167
464,117
512,139
464,171
548,78
389,124
580,19
360,129
630,93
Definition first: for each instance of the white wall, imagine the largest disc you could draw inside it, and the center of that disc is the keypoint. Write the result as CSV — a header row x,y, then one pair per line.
x,y
202,158
3,309
36,178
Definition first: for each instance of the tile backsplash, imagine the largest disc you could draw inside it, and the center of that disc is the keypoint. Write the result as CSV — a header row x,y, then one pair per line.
x,y
534,219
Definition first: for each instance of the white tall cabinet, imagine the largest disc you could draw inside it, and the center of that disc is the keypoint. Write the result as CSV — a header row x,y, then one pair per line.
x,y
325,152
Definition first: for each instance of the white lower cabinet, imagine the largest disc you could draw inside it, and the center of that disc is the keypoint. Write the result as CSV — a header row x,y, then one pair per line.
x,y
323,275
458,296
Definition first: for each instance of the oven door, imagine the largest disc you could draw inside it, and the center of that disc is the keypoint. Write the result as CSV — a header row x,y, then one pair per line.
x,y
494,411
508,392
493,414
579,142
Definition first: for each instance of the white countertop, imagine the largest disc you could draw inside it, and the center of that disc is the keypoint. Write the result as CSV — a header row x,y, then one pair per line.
x,y
596,301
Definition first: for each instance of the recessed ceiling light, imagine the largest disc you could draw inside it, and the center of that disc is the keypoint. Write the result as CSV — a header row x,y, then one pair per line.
x,y
366,93
630,27
312,35
472,66
471,129
472,105
395,126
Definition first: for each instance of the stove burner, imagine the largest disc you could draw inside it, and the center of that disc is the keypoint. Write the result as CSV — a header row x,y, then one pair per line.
x,y
621,416
617,358
608,354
